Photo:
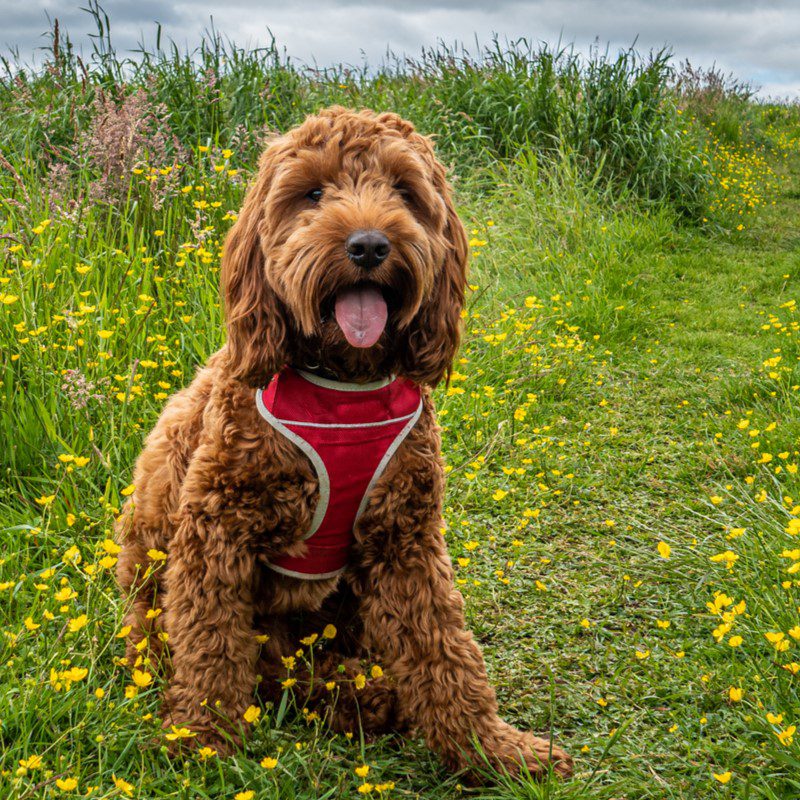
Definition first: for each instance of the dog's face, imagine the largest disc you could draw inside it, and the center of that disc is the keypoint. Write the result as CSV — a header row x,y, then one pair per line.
x,y
348,254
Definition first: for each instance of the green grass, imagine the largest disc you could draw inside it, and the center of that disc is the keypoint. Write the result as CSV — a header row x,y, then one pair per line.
x,y
606,400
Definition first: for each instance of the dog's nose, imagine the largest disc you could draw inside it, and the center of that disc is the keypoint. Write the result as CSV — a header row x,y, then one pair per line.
x,y
367,249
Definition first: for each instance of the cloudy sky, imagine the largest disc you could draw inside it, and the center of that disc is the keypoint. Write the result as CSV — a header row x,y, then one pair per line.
x,y
758,40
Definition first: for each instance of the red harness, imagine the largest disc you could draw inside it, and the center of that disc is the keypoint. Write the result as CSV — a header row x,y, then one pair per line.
x,y
349,433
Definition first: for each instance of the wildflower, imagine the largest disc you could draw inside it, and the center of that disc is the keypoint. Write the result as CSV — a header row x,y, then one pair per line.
x,y
77,623
362,771
664,550
269,763
206,752
360,681
288,683
329,632
142,679
125,787
722,777
177,733
376,671
735,694
786,737
252,714
248,795
66,784
729,558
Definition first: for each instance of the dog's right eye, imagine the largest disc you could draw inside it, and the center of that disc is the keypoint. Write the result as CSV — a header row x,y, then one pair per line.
x,y
315,195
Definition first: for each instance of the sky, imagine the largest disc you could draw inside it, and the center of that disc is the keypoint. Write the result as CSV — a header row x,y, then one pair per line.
x,y
757,40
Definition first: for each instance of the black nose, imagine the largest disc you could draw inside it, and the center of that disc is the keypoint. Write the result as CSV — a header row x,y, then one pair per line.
x,y
367,248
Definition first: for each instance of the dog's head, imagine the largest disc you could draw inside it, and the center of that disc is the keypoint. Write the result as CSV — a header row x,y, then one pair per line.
x,y
347,255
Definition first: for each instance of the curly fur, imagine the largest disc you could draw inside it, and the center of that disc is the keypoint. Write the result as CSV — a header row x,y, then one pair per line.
x,y
221,492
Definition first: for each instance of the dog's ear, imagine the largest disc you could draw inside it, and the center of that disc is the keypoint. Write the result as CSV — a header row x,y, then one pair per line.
x,y
255,316
436,332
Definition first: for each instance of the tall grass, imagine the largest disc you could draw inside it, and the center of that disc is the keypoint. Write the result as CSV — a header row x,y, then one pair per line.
x,y
615,115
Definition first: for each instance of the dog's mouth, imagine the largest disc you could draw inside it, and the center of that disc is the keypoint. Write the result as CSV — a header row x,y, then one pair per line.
x,y
361,312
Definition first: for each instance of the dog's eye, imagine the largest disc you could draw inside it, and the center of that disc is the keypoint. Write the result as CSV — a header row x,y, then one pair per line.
x,y
405,193
315,195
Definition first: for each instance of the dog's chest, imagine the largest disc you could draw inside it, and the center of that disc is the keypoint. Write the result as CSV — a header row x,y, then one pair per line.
x,y
349,432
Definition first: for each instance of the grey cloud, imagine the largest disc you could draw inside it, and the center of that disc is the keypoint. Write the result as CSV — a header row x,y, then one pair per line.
x,y
754,40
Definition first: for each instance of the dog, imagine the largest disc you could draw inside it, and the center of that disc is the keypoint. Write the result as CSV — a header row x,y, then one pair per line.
x,y
296,485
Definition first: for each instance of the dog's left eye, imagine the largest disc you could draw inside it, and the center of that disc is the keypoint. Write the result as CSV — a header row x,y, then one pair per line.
x,y
315,195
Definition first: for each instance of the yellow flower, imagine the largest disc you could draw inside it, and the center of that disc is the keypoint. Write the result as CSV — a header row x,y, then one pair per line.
x,y
288,683
729,558
206,753
499,495
722,777
105,334
360,681
78,622
735,694
664,550
252,714
642,654
269,763
45,499
376,671
787,737
329,632
141,678
248,795
111,547
735,641
179,733
66,784
123,786
156,555
362,771
128,490
32,762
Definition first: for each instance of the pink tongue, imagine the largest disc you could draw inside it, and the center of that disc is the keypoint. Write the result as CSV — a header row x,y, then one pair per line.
x,y
361,313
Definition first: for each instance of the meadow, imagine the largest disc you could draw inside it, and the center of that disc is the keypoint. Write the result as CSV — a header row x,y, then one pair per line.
x,y
620,428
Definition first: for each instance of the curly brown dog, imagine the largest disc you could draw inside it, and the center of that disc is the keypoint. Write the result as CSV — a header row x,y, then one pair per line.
x,y
343,282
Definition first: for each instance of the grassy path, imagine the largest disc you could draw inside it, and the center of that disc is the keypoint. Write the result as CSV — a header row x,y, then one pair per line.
x,y
650,463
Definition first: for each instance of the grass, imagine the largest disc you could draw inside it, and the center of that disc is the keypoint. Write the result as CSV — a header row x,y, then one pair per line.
x,y
620,438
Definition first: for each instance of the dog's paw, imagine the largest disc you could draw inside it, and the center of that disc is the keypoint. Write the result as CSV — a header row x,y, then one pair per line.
x,y
541,755
521,753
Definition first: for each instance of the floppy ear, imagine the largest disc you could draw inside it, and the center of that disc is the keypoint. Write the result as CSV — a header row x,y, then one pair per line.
x,y
256,318
435,334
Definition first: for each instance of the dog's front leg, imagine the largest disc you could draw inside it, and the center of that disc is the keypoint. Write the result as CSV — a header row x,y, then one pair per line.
x,y
209,621
413,617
